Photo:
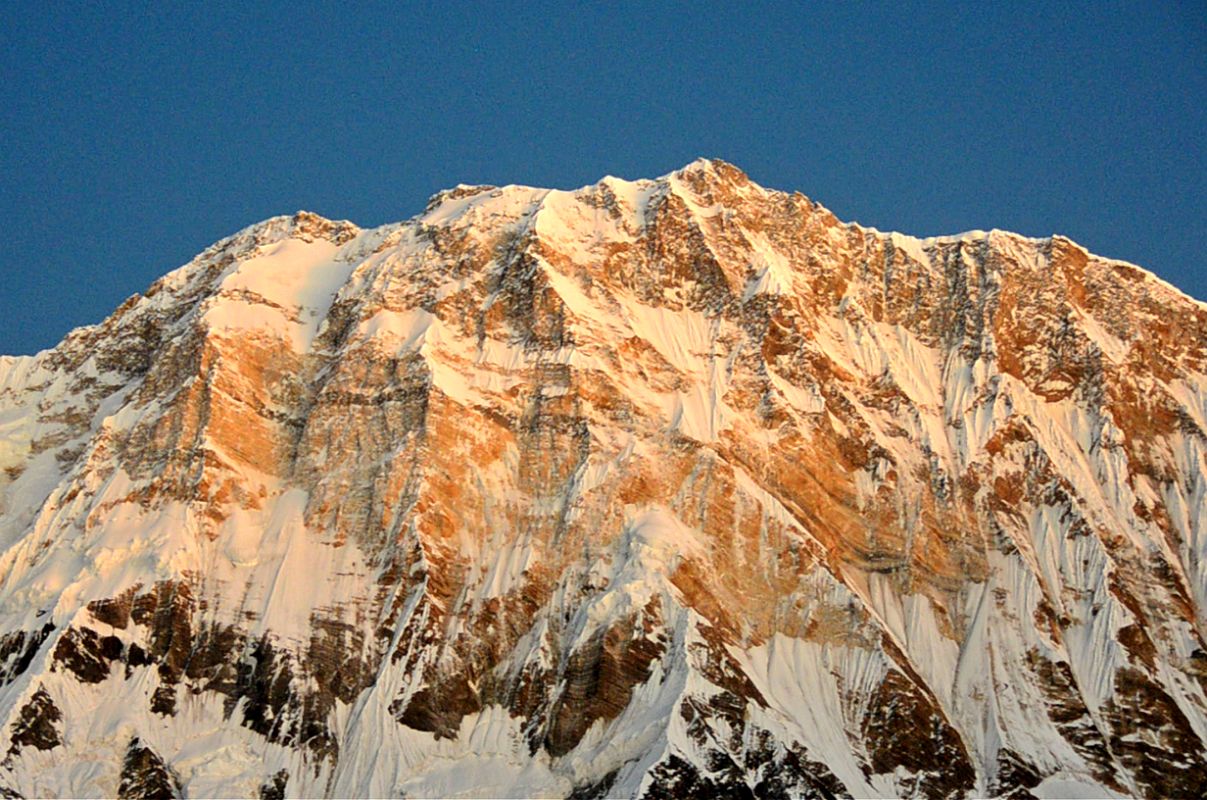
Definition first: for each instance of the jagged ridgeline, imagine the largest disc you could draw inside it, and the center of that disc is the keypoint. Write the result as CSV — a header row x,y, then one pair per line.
x,y
676,487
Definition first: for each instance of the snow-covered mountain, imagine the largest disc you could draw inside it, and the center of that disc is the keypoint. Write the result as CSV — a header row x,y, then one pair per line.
x,y
676,487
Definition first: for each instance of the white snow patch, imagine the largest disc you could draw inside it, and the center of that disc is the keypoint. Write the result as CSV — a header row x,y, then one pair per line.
x,y
286,289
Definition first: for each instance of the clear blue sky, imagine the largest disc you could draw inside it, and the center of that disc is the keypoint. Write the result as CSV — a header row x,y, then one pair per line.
x,y
132,138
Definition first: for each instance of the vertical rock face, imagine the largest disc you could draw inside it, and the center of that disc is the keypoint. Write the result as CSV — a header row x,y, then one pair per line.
x,y
654,488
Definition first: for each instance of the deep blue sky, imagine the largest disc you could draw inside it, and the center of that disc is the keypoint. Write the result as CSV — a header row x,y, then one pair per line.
x,y
132,138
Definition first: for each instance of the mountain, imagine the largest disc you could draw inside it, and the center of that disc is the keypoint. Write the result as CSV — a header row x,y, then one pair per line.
x,y
675,487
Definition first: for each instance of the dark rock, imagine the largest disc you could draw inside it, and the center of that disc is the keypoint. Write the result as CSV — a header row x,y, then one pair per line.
x,y
145,776
264,683
598,790
598,681
114,611
906,728
1152,738
163,701
438,709
1015,777
274,787
17,651
37,725
80,652
1069,713
675,777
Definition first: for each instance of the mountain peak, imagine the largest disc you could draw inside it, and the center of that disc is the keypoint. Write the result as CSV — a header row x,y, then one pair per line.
x,y
301,224
706,171
456,193
643,489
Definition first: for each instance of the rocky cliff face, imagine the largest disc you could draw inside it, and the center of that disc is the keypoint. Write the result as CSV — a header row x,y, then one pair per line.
x,y
649,489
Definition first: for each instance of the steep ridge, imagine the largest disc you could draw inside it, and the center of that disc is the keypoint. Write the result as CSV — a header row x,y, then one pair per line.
x,y
646,489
